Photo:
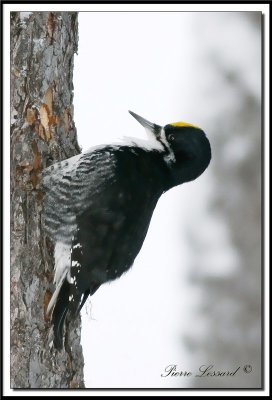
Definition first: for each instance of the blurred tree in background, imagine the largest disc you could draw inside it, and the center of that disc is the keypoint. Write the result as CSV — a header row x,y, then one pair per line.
x,y
226,267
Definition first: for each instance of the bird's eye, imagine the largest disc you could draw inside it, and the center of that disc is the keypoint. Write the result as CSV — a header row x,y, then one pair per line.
x,y
171,138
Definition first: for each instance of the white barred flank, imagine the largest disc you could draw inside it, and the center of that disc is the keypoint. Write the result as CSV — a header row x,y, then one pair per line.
x,y
62,260
69,188
62,270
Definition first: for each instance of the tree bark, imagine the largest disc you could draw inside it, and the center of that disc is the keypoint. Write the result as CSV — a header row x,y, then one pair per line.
x,y
42,132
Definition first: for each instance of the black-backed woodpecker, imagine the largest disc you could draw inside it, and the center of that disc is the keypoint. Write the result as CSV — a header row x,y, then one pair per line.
x,y
98,206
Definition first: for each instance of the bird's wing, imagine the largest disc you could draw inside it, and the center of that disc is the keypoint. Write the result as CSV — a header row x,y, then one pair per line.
x,y
72,187
76,206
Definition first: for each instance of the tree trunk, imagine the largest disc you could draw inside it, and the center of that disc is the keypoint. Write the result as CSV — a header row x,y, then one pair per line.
x,y
42,132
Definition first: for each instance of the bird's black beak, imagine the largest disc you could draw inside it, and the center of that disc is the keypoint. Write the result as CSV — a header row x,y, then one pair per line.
x,y
149,126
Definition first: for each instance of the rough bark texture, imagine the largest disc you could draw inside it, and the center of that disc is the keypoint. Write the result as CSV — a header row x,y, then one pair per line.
x,y
42,132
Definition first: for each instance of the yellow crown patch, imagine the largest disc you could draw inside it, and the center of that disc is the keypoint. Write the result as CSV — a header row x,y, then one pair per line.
x,y
184,124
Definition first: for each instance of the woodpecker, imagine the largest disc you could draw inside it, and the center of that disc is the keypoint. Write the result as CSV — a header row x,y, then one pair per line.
x,y
98,206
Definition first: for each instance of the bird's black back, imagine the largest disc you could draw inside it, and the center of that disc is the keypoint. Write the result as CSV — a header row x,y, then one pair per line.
x,y
112,230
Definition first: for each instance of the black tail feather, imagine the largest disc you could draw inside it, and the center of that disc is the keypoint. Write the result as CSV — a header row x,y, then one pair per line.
x,y
63,305
59,314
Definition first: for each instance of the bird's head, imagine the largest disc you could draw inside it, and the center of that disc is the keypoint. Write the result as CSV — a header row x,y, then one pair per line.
x,y
187,149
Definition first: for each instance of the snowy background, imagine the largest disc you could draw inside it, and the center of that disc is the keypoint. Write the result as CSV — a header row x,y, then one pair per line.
x,y
193,295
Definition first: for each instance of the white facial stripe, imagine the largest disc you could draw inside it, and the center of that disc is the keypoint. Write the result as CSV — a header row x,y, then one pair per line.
x,y
170,157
